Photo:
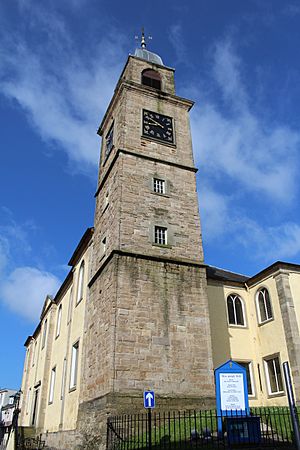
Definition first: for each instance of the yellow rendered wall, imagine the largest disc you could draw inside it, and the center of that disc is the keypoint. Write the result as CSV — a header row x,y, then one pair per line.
x,y
61,414
254,341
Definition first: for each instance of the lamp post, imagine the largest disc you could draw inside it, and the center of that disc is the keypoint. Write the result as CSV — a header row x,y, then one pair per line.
x,y
16,417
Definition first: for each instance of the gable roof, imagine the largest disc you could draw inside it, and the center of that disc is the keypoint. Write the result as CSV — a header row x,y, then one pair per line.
x,y
83,243
47,303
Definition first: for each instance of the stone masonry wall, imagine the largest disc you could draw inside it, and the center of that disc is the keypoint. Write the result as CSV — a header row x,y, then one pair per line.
x,y
136,66
142,209
148,326
107,217
163,333
290,325
99,335
135,101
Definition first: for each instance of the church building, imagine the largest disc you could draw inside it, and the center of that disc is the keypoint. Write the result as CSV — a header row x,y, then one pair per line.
x,y
139,308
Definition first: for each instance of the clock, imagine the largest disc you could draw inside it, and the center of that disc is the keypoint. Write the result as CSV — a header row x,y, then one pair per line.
x,y
158,126
109,141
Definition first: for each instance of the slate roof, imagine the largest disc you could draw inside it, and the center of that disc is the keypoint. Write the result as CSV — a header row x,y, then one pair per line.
x,y
225,275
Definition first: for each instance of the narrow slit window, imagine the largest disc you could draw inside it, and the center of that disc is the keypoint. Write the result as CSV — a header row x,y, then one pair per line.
x,y
52,385
34,353
63,379
28,401
74,365
58,323
70,306
44,334
80,283
103,246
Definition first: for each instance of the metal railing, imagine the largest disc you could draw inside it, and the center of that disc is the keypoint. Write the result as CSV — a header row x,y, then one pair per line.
x,y
263,427
21,441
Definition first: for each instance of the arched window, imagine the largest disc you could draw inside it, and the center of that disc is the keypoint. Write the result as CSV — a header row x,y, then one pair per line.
x,y
80,283
264,308
235,310
151,78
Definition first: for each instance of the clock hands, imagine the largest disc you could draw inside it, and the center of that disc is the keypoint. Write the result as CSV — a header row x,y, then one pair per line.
x,y
156,123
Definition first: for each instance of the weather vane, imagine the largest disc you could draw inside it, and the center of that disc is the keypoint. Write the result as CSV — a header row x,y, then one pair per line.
x,y
143,39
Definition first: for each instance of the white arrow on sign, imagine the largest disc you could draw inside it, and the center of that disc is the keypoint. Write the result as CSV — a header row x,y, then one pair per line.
x,y
149,398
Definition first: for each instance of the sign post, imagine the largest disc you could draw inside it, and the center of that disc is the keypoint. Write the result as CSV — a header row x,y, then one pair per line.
x,y
293,410
149,403
231,392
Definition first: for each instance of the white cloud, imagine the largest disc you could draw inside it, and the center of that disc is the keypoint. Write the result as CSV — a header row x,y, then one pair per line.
x,y
4,253
281,242
63,92
214,213
239,144
176,39
25,290
227,73
222,219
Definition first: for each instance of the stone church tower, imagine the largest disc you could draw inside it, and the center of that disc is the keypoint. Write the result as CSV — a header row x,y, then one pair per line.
x,y
147,321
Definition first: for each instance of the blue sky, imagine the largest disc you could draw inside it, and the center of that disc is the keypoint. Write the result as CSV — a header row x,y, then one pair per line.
x,y
59,63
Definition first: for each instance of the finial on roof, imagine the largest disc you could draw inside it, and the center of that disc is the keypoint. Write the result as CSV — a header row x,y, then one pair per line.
x,y
143,39
143,53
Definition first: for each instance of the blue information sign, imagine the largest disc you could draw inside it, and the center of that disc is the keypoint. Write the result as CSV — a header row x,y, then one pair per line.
x,y
231,391
149,399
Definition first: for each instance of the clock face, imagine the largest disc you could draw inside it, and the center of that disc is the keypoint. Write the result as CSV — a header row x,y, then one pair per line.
x,y
158,126
109,140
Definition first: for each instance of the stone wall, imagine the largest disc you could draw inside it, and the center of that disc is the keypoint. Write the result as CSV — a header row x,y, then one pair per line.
x,y
142,209
162,329
290,325
147,327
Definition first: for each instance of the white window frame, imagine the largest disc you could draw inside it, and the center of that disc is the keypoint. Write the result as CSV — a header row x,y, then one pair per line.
x,y
250,365
63,379
34,353
267,374
58,321
28,401
260,321
52,385
27,359
233,294
160,234
159,185
70,307
44,333
80,283
74,365
35,407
